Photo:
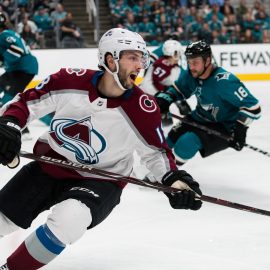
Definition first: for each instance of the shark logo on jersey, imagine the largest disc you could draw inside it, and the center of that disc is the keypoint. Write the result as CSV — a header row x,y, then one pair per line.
x,y
207,107
211,109
222,76
10,39
79,137
198,91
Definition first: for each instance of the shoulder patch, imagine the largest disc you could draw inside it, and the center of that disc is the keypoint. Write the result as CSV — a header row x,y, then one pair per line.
x,y
147,104
42,83
77,71
10,39
222,76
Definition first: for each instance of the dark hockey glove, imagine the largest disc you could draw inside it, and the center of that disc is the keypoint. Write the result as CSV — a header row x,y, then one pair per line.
x,y
187,198
10,139
239,136
183,107
164,100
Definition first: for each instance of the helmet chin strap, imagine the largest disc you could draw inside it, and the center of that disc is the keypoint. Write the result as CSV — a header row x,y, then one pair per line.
x,y
115,75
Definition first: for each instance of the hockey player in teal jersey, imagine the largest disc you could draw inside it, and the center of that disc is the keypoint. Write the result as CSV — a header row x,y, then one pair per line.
x,y
223,104
19,64
156,54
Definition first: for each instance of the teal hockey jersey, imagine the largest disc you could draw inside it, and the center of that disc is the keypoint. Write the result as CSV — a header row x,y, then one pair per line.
x,y
156,54
16,54
222,98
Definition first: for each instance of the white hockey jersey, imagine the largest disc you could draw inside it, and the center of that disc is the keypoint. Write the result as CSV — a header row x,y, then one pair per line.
x,y
93,130
159,76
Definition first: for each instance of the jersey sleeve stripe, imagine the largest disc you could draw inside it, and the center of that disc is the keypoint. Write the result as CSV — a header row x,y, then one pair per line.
x,y
16,48
153,57
14,53
253,112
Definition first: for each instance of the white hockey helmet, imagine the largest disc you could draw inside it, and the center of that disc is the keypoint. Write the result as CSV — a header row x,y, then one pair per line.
x,y
172,48
117,40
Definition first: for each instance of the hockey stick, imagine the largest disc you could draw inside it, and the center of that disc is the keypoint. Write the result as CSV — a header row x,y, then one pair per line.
x,y
132,180
216,133
256,149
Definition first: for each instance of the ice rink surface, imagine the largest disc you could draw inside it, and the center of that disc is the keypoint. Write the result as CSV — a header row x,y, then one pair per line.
x,y
144,233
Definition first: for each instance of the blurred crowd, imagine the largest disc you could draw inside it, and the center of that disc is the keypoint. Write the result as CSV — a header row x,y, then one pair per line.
x,y
216,21
42,23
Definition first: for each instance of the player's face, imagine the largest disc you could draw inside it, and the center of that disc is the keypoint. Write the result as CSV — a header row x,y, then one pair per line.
x,y
130,64
196,66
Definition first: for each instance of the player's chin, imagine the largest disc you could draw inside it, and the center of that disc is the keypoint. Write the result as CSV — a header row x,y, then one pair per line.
x,y
130,85
131,81
127,84
195,74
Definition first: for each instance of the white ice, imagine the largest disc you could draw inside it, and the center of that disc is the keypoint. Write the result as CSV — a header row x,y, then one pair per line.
x,y
144,233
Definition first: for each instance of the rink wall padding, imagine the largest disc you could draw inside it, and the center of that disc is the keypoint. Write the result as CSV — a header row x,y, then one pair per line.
x,y
250,62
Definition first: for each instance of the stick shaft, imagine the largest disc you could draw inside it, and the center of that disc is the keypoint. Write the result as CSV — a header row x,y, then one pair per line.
x,y
132,180
256,149
204,128
217,133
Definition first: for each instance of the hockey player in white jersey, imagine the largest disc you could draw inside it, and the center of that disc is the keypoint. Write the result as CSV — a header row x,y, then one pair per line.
x,y
162,74
100,119
165,70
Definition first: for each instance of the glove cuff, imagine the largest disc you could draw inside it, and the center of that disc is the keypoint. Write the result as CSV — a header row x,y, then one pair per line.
x,y
11,122
13,125
170,177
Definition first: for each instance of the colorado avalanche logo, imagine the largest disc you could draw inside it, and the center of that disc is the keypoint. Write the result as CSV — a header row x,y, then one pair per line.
x,y
147,104
79,137
77,71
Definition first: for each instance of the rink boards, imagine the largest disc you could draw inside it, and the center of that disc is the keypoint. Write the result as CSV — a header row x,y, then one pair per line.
x,y
250,62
